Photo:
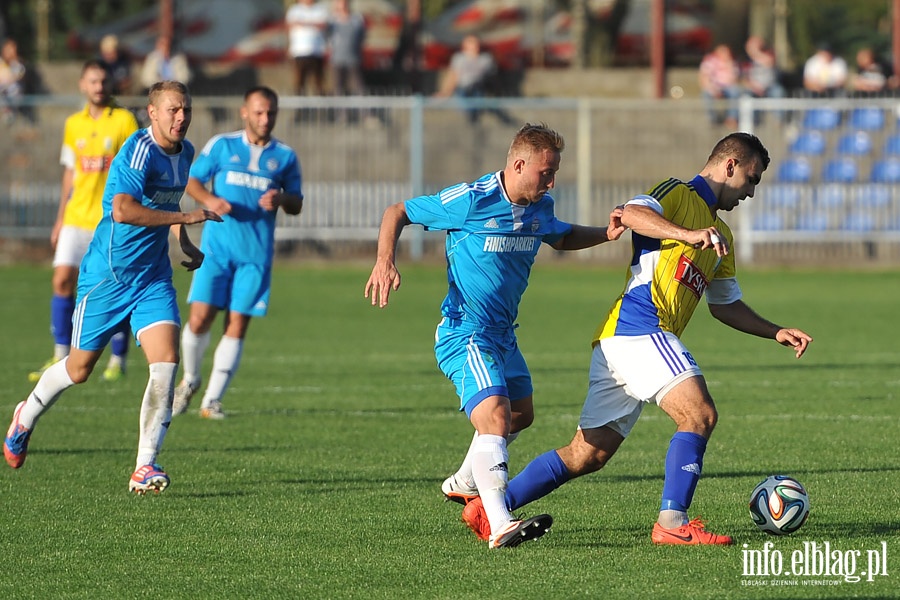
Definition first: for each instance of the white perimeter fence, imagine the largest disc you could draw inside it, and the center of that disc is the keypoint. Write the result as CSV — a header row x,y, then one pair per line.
x,y
832,192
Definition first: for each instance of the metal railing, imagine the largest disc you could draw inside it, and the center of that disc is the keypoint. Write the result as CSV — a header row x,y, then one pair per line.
x,y
360,155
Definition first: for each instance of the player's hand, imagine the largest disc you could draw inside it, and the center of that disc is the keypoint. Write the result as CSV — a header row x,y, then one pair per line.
x,y
269,200
794,338
54,234
384,278
708,238
220,206
615,229
200,215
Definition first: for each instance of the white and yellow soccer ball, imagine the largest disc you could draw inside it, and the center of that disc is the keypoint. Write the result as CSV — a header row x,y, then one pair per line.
x,y
779,505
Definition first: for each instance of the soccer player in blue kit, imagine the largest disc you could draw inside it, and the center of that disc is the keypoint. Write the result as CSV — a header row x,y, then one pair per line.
x,y
126,275
252,175
495,228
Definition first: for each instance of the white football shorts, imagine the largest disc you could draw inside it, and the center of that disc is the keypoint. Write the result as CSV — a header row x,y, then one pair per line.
x,y
626,372
71,246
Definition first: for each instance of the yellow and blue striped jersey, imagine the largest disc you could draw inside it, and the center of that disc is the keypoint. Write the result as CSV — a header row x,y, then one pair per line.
x,y
88,148
666,278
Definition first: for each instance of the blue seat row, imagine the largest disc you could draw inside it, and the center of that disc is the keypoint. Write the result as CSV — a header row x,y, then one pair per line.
x,y
827,119
843,169
812,142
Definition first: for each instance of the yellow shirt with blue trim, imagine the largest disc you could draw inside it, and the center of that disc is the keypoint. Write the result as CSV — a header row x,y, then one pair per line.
x,y
88,147
667,278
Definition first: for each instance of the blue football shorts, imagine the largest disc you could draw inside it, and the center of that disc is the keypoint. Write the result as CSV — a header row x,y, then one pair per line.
x,y
481,362
103,305
243,288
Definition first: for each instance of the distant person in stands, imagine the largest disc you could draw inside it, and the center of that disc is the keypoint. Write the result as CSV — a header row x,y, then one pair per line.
x,y
760,72
470,75
12,80
824,73
164,64
871,77
117,64
307,22
346,34
720,79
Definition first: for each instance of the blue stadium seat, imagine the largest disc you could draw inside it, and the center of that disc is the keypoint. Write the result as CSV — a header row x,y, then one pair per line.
x,y
825,119
871,195
858,220
840,170
831,195
871,119
892,145
781,195
810,141
795,169
768,221
812,221
886,170
856,143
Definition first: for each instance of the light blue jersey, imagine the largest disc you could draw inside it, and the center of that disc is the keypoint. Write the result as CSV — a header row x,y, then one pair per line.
x,y
491,247
241,172
130,254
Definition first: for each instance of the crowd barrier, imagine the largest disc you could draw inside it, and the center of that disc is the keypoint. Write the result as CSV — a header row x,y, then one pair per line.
x,y
832,191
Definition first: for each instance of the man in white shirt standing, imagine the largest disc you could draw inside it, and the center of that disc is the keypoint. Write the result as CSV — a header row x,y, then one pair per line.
x,y
307,21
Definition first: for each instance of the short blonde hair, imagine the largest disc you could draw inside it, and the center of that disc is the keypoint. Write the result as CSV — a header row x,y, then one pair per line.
x,y
536,138
161,87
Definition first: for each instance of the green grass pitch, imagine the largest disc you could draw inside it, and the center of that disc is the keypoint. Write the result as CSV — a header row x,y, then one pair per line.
x,y
324,482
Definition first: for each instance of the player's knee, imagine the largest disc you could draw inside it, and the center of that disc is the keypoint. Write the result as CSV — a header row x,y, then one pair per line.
x,y
521,421
79,373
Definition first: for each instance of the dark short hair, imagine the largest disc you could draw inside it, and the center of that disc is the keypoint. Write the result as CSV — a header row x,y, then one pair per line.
x,y
264,90
740,145
92,64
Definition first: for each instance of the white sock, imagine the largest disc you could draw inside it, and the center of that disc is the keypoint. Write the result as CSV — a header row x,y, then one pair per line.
x,y
464,473
156,411
193,347
491,472
115,360
53,382
225,364
60,351
671,519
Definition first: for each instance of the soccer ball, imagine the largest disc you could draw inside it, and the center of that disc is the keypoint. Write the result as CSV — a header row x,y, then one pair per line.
x,y
779,505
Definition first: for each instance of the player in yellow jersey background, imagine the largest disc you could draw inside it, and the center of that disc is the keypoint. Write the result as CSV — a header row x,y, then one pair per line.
x,y
91,138
682,251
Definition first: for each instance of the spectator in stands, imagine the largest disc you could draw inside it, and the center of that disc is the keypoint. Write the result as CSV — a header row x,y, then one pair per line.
x,y
347,31
12,80
871,77
720,79
824,74
162,64
760,73
407,54
117,64
307,21
469,76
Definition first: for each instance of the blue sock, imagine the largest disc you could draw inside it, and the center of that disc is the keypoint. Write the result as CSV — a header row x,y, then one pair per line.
x,y
119,342
61,310
539,477
684,461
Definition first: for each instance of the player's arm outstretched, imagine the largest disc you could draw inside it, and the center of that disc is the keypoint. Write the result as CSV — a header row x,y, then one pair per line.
x,y
583,236
649,223
385,276
738,315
